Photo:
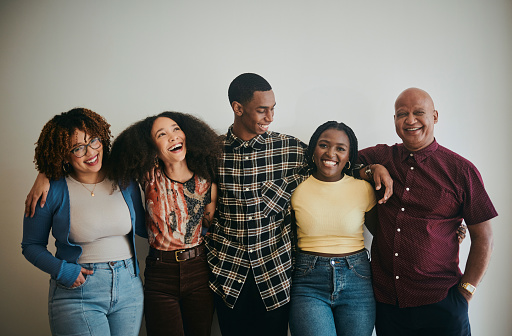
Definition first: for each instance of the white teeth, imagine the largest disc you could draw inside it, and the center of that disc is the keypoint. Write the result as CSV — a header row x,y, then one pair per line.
x,y
175,147
94,159
413,129
330,163
265,127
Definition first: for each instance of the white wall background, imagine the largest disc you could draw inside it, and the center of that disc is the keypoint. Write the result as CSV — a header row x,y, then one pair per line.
x,y
343,60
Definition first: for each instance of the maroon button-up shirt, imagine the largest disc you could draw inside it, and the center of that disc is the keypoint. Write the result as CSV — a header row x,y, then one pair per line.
x,y
415,252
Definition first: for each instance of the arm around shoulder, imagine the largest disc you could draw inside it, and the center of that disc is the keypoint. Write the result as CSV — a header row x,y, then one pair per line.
x,y
378,174
39,190
140,214
209,210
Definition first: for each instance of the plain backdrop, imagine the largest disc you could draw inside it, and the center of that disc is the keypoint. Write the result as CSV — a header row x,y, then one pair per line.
x,y
326,60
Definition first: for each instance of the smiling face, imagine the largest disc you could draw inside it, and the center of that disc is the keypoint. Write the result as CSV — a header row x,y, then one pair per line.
x,y
254,117
86,168
415,117
331,155
169,140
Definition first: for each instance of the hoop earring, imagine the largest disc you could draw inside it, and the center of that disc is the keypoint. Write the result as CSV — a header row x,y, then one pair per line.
x,y
66,167
348,165
156,161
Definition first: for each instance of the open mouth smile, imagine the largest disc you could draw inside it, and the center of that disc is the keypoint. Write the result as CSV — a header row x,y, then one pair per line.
x,y
264,127
92,161
330,163
176,148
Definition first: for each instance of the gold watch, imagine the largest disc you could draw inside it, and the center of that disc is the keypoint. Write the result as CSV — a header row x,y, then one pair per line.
x,y
368,172
468,287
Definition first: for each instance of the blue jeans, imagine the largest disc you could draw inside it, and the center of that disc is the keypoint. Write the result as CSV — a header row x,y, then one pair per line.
x,y
332,296
109,302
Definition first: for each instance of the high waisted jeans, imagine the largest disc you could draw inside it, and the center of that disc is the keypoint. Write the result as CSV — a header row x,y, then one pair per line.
x,y
109,302
332,296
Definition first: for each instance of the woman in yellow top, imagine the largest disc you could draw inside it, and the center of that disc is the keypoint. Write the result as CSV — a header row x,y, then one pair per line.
x,y
331,288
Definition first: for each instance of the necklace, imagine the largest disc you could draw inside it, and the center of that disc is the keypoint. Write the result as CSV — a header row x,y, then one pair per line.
x,y
91,191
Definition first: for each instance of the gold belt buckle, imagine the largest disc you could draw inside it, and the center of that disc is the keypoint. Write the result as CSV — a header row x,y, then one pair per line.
x,y
176,255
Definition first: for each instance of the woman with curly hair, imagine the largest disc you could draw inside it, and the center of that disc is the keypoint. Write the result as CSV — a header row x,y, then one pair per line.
x,y
331,290
180,202
95,288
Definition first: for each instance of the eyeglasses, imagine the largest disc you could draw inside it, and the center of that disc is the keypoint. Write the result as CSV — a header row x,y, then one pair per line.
x,y
82,150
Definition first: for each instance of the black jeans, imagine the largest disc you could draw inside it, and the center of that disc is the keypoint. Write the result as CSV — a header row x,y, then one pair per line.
x,y
448,317
177,299
249,316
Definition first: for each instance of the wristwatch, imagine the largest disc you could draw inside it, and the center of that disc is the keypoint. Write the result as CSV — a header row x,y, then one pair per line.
x,y
368,172
468,287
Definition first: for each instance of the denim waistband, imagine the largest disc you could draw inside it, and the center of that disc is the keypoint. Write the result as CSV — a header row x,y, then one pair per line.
x,y
363,254
108,264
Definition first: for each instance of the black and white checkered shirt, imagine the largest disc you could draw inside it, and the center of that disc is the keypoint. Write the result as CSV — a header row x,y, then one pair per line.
x,y
252,226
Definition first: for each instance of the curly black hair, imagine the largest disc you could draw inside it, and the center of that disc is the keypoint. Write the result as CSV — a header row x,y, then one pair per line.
x,y
54,143
242,87
352,158
133,151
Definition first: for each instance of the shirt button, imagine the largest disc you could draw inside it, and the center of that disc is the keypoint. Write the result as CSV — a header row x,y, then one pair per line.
x,y
396,254
398,229
411,154
332,262
247,158
246,189
407,189
397,277
412,168
251,251
239,281
403,209
250,218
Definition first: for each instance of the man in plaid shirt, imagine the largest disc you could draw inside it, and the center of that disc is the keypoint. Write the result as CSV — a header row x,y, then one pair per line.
x,y
250,240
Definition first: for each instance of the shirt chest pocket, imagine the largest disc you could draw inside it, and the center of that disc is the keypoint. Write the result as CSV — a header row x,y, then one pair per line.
x,y
431,204
275,197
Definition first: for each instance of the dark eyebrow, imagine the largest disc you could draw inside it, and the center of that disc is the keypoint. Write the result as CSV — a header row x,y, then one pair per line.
x,y
264,107
160,129
337,144
83,143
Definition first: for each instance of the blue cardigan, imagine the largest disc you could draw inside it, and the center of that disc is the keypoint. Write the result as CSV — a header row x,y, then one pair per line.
x,y
55,215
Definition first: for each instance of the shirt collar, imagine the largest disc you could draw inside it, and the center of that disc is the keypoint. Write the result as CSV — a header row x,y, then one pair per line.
x,y
420,155
257,143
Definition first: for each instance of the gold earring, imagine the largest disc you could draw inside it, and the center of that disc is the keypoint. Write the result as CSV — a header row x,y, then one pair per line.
x,y
156,161
66,167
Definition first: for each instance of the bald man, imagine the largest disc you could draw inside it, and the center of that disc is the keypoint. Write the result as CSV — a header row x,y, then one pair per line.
x,y
418,285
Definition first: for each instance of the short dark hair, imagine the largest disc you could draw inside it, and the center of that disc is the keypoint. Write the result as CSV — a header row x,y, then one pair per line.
x,y
242,87
54,143
352,157
134,152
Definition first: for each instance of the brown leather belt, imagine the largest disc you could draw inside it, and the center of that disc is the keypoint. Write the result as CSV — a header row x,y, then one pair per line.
x,y
177,255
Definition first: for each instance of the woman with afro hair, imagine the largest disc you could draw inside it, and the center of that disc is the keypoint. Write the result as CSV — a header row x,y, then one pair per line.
x,y
180,201
93,222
